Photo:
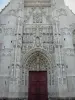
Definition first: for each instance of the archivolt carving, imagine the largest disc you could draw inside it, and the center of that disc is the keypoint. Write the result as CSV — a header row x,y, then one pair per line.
x,y
37,61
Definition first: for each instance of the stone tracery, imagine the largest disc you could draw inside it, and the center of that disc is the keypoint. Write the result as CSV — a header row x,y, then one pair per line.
x,y
37,62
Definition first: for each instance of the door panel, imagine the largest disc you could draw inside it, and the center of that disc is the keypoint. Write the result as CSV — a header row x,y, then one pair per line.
x,y
37,86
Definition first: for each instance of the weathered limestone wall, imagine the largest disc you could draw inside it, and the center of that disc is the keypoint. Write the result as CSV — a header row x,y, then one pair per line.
x,y
14,20
11,22
66,26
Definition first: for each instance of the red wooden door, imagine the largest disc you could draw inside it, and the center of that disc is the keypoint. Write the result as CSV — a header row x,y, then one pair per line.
x,y
37,86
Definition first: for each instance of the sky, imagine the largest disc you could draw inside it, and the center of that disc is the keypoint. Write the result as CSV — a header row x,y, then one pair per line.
x,y
70,3
3,3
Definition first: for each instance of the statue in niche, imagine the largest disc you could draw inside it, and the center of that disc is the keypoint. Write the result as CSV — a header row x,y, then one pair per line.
x,y
37,37
37,41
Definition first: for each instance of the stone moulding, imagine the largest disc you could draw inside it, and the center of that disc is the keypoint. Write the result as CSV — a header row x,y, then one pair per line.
x,y
51,98
39,3
31,52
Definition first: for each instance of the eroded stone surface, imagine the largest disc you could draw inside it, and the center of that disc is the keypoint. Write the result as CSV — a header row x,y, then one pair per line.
x,y
37,36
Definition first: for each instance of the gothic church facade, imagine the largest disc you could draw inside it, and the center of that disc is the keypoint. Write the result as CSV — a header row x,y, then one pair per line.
x,y
37,50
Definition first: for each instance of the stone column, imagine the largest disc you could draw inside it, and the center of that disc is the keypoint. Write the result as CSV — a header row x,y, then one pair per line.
x,y
59,58
15,71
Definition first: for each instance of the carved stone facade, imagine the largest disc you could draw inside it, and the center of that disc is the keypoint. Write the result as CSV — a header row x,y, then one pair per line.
x,y
37,35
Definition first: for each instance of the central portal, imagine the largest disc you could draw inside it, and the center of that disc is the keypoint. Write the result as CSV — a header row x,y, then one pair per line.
x,y
37,85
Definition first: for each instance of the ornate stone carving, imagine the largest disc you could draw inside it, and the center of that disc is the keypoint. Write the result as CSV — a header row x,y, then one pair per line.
x,y
37,62
61,12
38,36
40,42
37,17
37,41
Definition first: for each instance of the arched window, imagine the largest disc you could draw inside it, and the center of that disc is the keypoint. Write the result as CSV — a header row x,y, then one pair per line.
x,y
74,39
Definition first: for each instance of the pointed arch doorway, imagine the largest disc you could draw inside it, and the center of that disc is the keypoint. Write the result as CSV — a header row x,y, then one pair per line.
x,y
37,77
37,67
